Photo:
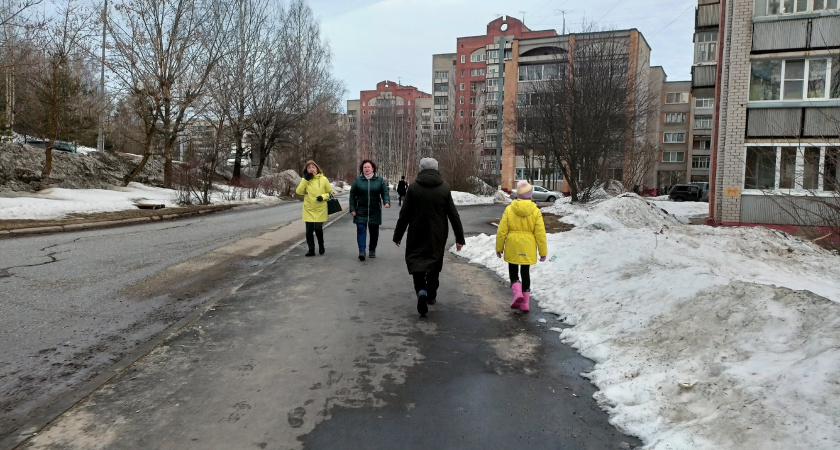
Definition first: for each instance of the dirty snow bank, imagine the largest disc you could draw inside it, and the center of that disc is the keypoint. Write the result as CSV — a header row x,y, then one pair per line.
x,y
703,338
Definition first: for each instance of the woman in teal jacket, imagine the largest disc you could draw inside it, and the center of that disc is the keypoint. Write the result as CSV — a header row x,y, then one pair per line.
x,y
367,195
315,189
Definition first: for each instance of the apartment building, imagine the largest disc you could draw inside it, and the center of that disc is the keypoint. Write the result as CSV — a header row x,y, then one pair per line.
x,y
391,125
777,136
477,88
676,136
703,78
475,93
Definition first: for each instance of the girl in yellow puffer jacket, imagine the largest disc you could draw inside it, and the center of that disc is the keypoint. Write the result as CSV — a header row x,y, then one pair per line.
x,y
520,237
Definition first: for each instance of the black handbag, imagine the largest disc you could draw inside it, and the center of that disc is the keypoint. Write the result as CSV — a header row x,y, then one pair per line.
x,y
333,206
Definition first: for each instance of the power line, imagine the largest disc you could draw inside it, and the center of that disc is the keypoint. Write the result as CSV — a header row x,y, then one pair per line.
x,y
672,22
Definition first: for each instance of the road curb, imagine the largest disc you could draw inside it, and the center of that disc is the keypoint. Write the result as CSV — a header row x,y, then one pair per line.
x,y
108,223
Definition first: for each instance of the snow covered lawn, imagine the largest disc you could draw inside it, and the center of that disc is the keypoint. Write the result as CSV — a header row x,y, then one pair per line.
x,y
57,203
703,338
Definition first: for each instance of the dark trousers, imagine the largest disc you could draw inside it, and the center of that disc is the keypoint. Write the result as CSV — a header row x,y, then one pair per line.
x,y
400,196
316,228
428,281
515,270
361,231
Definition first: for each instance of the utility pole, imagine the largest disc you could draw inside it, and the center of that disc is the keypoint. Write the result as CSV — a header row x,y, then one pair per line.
x,y
500,105
100,139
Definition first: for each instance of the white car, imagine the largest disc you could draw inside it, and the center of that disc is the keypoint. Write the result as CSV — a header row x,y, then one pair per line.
x,y
541,194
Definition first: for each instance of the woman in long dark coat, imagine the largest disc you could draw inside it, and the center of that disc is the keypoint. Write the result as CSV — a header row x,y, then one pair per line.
x,y
367,195
427,213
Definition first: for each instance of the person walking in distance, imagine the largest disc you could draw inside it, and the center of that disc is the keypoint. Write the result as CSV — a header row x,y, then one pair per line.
x,y
428,206
315,189
367,195
402,186
521,235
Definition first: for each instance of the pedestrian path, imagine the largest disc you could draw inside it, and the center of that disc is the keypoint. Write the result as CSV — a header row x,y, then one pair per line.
x,y
329,352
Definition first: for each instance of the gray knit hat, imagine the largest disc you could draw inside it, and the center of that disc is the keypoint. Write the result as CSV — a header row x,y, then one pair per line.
x,y
428,163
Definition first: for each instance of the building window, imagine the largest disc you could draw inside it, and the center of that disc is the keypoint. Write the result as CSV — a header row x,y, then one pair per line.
x,y
701,162
673,156
441,87
477,57
441,101
461,100
674,117
461,87
703,123
472,113
676,97
796,168
795,79
478,72
472,100
773,7
492,82
704,102
461,113
704,144
539,72
672,138
463,59
442,74
463,71
705,44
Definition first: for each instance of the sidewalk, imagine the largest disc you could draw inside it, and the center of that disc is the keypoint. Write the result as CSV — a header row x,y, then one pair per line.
x,y
329,352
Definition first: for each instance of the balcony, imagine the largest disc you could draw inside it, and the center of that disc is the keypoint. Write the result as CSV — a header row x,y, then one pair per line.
x,y
703,76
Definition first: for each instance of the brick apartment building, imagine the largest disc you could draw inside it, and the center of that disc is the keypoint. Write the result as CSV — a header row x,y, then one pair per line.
x,y
476,88
777,94
391,125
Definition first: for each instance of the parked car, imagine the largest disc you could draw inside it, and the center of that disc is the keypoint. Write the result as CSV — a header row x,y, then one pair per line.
x,y
704,189
685,192
541,194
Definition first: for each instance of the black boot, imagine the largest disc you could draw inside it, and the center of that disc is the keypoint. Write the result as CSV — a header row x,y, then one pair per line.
x,y
310,242
320,235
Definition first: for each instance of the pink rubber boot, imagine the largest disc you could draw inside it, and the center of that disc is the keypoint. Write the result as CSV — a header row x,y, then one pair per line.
x,y
518,298
524,307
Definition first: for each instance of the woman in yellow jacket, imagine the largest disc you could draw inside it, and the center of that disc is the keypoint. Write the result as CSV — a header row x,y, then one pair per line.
x,y
520,237
315,189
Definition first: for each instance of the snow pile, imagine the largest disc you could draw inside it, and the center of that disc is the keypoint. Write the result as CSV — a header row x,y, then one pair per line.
x,y
626,211
479,187
684,211
465,198
58,203
702,337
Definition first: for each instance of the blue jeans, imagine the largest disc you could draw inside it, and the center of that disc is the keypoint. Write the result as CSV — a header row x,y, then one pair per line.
x,y
361,229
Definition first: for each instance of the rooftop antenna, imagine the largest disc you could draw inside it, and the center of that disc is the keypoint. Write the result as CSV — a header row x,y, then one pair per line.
x,y
523,16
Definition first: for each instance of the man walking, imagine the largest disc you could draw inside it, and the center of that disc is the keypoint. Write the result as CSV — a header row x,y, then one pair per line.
x,y
428,206
402,186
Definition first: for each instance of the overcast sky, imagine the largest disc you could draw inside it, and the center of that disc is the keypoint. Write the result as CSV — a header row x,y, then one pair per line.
x,y
375,40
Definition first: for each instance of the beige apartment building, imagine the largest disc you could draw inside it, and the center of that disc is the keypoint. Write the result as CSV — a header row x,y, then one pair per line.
x,y
777,138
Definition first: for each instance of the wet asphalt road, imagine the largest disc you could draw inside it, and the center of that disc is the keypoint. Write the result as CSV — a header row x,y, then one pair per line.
x,y
329,352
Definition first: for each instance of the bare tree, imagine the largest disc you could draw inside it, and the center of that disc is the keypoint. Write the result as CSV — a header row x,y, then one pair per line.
x,y
234,76
457,155
582,111
61,102
14,21
390,136
163,55
298,93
